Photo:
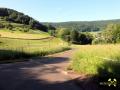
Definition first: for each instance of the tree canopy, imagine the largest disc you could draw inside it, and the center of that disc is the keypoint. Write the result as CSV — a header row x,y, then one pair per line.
x,y
18,17
85,26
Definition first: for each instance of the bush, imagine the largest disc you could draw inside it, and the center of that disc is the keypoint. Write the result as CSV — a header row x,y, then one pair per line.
x,y
74,36
52,32
99,41
85,38
9,26
2,26
62,33
26,30
112,33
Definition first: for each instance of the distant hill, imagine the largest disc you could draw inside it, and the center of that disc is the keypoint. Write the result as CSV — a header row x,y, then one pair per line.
x,y
13,16
83,26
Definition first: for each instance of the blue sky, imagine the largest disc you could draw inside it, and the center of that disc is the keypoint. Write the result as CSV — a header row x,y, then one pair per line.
x,y
66,10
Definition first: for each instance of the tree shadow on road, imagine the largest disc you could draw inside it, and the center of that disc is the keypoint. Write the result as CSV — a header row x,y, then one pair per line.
x,y
23,75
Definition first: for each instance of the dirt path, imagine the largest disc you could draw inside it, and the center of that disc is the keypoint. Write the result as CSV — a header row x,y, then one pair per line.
x,y
46,73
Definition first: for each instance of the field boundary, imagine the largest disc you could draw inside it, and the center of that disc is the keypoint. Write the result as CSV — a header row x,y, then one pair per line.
x,y
29,39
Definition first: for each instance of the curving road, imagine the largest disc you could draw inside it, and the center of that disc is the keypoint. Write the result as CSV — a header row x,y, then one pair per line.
x,y
45,73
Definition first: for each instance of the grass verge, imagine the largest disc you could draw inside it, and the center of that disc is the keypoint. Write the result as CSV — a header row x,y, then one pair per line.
x,y
11,55
102,60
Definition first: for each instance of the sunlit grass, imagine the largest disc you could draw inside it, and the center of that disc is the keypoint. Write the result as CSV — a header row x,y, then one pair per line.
x,y
89,57
30,48
28,35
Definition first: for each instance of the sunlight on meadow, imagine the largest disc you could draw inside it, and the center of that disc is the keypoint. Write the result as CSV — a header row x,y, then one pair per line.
x,y
15,48
28,35
88,58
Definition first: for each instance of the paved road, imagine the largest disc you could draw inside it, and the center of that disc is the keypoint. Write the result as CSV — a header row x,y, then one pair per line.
x,y
46,73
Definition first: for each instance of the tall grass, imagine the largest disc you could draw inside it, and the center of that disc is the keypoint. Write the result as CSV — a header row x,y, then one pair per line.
x,y
19,48
32,34
90,58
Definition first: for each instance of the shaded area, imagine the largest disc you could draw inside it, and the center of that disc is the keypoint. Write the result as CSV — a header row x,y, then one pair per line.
x,y
110,70
106,71
37,74
10,55
13,54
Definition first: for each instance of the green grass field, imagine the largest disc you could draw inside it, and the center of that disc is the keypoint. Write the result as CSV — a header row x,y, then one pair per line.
x,y
30,47
20,45
32,34
97,59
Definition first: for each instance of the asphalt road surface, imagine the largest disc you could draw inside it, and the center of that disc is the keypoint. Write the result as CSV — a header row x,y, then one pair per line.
x,y
45,73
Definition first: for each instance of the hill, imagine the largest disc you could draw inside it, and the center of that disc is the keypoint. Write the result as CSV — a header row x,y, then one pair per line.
x,y
83,26
8,16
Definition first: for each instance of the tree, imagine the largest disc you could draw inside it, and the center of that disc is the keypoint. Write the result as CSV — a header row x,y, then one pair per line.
x,y
9,26
62,33
51,30
13,15
74,36
4,12
50,27
85,38
18,17
112,33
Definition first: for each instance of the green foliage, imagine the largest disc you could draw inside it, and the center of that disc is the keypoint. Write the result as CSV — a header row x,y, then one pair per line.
x,y
112,33
99,41
9,26
23,33
2,26
85,38
85,26
62,33
6,55
51,30
50,27
75,37
21,48
103,60
11,15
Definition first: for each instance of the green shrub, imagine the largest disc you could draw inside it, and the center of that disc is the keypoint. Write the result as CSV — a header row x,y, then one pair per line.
x,y
99,41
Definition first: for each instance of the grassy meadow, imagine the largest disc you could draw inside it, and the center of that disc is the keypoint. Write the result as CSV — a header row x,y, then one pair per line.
x,y
97,59
32,34
15,46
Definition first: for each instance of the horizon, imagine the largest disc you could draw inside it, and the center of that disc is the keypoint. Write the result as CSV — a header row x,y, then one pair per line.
x,y
65,10
84,21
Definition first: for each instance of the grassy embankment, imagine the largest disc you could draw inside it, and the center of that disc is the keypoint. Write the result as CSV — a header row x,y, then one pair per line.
x,y
21,48
103,60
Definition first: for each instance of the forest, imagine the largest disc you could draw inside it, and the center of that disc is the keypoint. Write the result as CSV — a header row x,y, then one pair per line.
x,y
11,15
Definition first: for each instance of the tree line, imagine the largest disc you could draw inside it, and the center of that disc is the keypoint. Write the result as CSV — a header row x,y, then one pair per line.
x,y
111,34
72,32
73,36
85,26
18,17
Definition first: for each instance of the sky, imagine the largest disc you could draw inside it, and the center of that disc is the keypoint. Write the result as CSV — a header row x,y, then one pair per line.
x,y
66,10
